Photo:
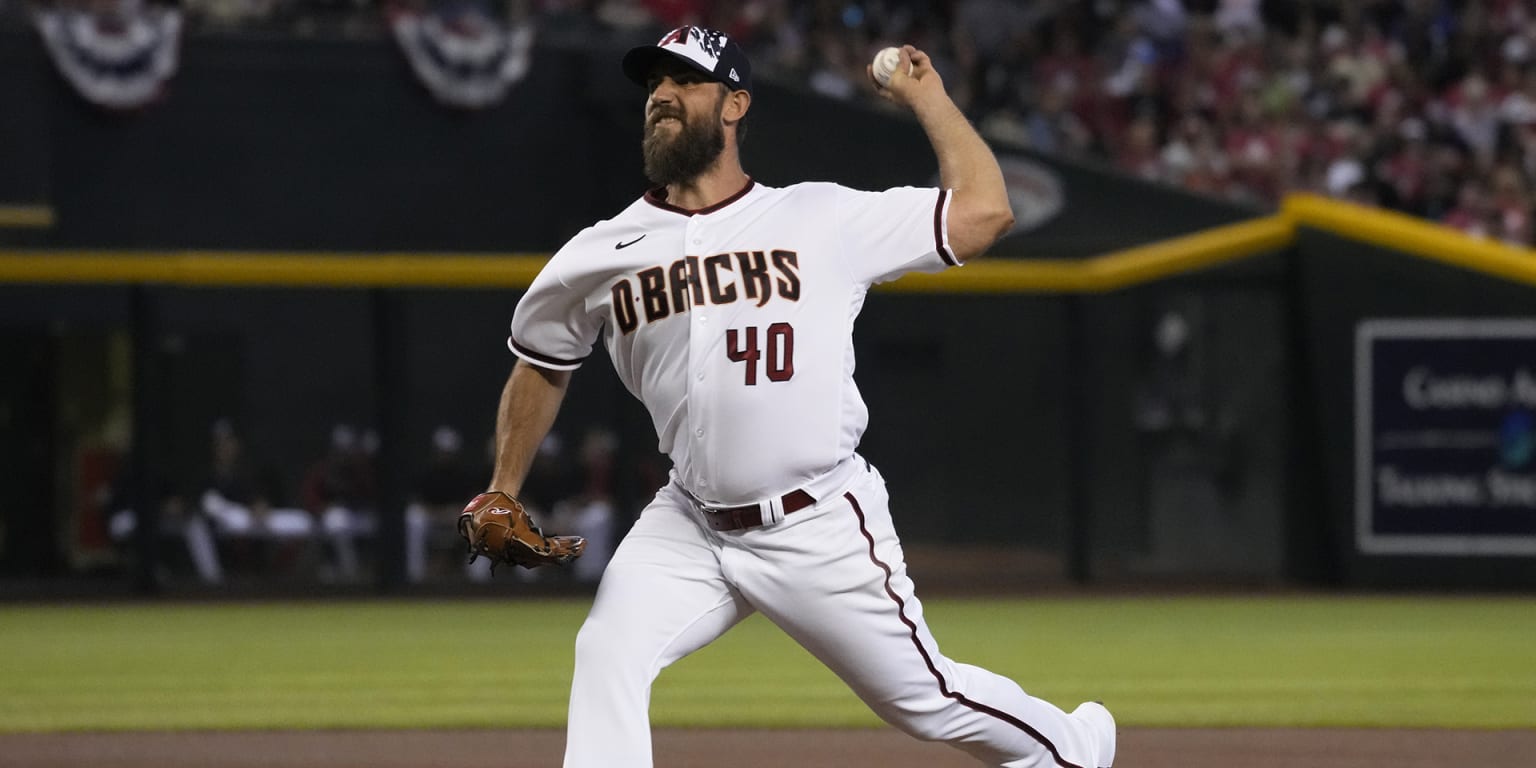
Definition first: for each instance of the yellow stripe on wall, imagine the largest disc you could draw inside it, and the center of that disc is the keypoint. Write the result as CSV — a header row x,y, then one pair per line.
x,y
208,268
204,268
1109,272
25,217
1412,236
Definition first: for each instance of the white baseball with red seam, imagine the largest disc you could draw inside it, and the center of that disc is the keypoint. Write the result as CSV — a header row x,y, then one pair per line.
x,y
885,64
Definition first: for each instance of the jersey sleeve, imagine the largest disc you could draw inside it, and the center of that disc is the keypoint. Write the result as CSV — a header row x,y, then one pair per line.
x,y
551,327
887,234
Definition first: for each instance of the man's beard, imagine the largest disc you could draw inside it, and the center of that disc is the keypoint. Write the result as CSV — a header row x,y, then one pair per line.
x,y
685,156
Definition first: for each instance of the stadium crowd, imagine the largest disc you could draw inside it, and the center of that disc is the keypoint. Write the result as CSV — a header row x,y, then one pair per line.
x,y
1421,106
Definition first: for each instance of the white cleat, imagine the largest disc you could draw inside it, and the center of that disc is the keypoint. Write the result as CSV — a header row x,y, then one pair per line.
x,y
1102,724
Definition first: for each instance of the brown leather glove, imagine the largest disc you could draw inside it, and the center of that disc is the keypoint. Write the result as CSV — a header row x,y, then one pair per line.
x,y
497,526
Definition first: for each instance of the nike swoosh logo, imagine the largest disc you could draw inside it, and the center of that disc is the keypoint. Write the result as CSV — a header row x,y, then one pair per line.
x,y
618,246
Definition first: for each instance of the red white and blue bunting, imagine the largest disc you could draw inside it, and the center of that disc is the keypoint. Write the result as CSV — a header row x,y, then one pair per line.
x,y
118,59
463,56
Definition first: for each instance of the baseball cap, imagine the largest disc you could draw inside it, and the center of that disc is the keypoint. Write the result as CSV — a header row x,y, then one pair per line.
x,y
710,52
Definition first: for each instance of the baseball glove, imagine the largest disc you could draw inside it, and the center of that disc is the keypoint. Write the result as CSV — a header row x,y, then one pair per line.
x,y
497,526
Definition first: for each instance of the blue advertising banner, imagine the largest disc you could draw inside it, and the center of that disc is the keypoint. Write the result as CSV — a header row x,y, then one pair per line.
x,y
1445,437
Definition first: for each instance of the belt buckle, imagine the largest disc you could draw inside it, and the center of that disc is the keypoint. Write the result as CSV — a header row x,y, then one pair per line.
x,y
716,515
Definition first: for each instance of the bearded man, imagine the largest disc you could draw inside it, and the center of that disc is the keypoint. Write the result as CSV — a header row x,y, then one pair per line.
x,y
727,308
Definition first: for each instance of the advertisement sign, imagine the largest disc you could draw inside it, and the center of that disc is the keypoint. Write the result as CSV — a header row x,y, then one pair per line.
x,y
1445,419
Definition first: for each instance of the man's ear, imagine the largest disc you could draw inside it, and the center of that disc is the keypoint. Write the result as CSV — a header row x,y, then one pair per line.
x,y
736,105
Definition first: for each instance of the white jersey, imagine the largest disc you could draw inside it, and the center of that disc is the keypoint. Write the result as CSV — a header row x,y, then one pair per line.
x,y
734,324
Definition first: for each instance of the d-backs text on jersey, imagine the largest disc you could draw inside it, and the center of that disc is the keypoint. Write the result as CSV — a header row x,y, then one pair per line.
x,y
659,292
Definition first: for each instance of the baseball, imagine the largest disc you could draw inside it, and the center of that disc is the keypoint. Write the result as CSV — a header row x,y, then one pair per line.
x,y
885,65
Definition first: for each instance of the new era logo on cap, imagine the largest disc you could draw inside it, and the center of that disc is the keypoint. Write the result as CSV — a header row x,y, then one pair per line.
x,y
706,50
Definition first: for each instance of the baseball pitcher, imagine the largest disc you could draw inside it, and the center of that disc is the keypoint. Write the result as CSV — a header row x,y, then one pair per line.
x,y
727,308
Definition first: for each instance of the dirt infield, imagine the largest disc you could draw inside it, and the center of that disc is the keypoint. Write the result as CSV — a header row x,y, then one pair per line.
x,y
1139,748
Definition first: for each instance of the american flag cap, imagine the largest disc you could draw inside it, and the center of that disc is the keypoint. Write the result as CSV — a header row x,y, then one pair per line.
x,y
706,50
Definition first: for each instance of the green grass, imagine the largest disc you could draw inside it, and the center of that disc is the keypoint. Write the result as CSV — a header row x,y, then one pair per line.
x,y
1180,661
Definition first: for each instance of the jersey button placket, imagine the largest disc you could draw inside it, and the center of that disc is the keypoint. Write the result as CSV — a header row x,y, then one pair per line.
x,y
697,352
699,348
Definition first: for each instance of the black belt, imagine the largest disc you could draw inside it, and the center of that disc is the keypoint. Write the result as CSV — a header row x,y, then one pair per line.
x,y
751,515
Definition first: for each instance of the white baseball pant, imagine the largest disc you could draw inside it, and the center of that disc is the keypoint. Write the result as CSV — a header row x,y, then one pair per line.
x,y
832,577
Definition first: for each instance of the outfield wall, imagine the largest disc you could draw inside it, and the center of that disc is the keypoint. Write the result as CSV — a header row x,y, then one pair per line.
x,y
1004,399
298,237
1077,444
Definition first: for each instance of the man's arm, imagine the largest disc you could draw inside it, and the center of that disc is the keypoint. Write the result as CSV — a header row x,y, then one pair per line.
x,y
979,212
529,403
